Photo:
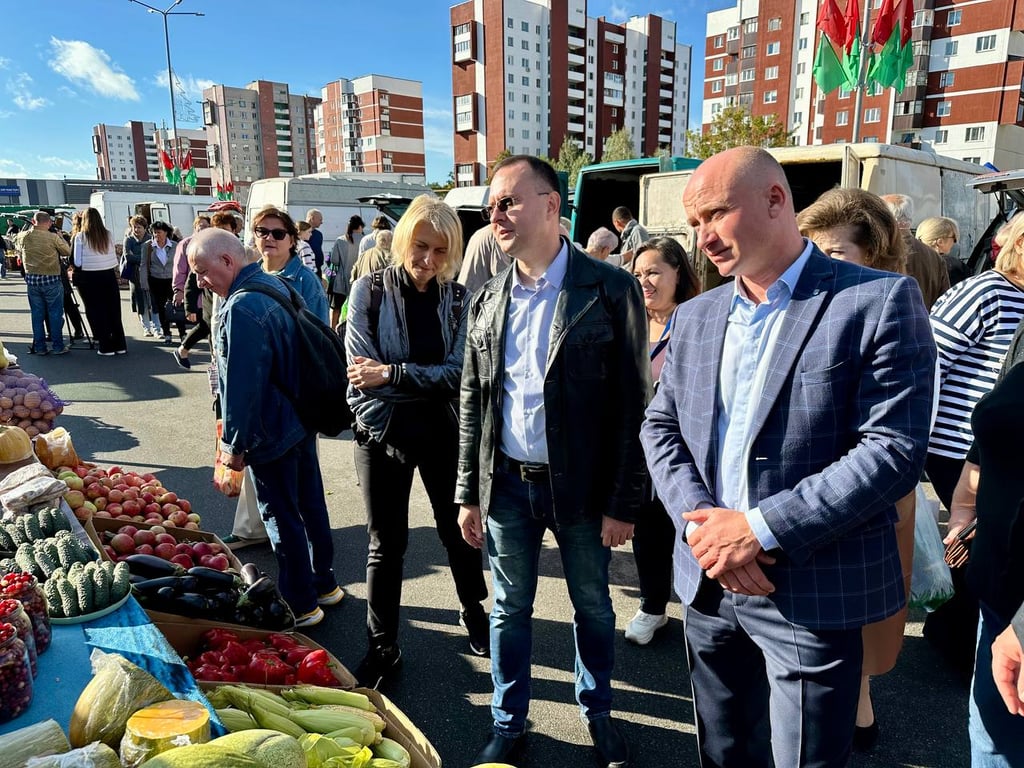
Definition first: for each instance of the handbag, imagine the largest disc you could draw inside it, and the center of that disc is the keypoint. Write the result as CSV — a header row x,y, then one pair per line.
x,y
175,313
127,271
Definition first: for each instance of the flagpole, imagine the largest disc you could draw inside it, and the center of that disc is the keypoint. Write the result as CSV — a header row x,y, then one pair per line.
x,y
865,45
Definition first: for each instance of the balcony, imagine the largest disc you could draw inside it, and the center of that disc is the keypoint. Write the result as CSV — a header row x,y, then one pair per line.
x,y
614,37
665,124
668,64
575,60
576,93
576,42
664,138
574,127
576,77
666,79
574,109
664,93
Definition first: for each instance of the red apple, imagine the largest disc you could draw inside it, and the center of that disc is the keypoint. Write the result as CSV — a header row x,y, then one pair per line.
x,y
190,526
131,493
94,491
114,509
220,562
116,470
178,517
126,518
201,548
166,551
148,477
115,495
185,504
81,471
152,509
131,530
205,560
123,544
135,482
183,560
144,537
166,538
144,549
168,498
97,513
158,529
216,548
106,482
147,496
131,507
153,520
109,551
183,548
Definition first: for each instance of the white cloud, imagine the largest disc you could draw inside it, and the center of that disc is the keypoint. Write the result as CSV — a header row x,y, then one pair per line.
x,y
69,93
5,113
20,88
437,129
11,168
618,12
85,65
80,166
193,86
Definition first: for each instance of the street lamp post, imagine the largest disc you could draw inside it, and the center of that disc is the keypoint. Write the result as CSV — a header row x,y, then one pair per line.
x,y
170,73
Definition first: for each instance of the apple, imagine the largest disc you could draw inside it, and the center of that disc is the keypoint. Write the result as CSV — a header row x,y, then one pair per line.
x,y
185,504
114,509
166,538
190,526
109,551
131,507
115,495
168,498
166,551
205,560
144,549
131,530
183,560
147,497
88,507
192,516
99,513
115,470
148,477
219,562
123,544
152,509
143,536
72,481
169,524
201,548
179,518
126,518
94,491
81,471
106,482
158,529
75,499
135,482
216,548
183,548
153,520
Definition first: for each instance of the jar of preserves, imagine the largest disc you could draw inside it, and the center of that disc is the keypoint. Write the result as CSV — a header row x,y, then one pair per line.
x,y
15,676
25,588
13,612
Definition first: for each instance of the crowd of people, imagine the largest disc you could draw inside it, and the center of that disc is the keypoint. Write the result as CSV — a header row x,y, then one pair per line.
x,y
760,443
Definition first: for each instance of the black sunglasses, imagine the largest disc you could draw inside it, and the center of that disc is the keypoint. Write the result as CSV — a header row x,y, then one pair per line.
x,y
277,234
503,204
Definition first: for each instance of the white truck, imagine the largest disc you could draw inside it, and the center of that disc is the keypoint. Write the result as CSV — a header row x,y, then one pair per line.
x,y
940,186
336,198
177,210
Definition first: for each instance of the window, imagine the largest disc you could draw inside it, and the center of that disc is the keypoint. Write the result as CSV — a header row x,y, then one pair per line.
x,y
511,96
526,45
770,97
842,118
922,47
615,112
951,47
750,26
524,26
511,60
872,115
974,133
802,44
747,75
844,92
719,41
943,109
985,43
615,65
615,48
772,49
719,65
511,41
771,73
973,160
509,22
805,18
511,79
716,87
749,52
733,33
801,68
798,93
526,116
923,18
946,79
953,18
730,79
798,118
526,64
775,24
511,114
941,136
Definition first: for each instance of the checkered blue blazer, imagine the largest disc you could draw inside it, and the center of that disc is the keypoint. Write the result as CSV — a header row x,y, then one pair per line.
x,y
841,430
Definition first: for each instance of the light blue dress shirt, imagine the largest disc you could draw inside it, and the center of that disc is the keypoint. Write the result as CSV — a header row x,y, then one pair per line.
x,y
531,311
750,337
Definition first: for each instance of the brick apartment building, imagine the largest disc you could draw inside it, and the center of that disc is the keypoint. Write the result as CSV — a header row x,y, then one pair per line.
x,y
129,152
528,73
963,95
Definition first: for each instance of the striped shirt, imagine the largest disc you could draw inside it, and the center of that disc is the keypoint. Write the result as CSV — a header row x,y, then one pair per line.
x,y
973,323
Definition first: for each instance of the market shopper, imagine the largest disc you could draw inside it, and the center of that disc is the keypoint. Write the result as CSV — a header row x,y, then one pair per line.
x,y
556,377
156,273
94,261
131,257
405,361
339,268
258,376
277,239
41,252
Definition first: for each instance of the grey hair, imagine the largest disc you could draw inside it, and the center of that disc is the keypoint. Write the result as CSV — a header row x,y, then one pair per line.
x,y
602,238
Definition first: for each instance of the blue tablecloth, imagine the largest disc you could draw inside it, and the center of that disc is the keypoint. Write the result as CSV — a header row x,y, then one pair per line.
x,y
64,670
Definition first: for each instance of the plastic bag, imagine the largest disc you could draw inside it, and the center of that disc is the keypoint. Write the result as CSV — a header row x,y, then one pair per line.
x,y
54,449
226,480
39,490
95,755
931,584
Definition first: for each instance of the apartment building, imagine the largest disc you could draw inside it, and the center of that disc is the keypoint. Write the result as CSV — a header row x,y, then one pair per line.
x,y
371,124
258,131
126,152
528,73
963,95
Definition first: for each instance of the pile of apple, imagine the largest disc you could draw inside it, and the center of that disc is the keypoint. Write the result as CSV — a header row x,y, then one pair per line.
x,y
124,495
130,540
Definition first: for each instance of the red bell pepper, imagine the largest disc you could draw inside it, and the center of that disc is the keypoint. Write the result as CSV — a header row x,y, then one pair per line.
x,y
267,670
315,669
215,639
235,653
296,654
281,641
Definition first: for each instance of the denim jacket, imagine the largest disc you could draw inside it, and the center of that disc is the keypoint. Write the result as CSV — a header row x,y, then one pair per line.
x,y
308,286
258,371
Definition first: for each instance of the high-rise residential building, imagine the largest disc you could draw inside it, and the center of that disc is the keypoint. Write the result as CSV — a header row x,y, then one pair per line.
x,y
526,74
371,124
193,141
963,96
126,152
258,131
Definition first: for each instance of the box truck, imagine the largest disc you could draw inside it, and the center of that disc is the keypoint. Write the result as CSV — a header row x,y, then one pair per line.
x,y
177,210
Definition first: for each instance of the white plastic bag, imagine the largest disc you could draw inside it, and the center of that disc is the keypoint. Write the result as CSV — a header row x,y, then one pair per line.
x,y
931,583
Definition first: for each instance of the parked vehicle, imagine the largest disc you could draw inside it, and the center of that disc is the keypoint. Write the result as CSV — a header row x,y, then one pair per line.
x,y
177,210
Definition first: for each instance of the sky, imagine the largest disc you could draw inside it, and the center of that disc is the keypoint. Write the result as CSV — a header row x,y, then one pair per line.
x,y
86,62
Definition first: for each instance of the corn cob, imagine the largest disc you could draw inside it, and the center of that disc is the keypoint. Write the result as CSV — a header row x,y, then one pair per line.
x,y
392,750
246,699
275,722
373,717
323,721
318,694
236,720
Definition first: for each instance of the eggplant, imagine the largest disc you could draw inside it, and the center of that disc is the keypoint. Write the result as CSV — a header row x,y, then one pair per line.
x,y
250,574
279,614
260,593
152,586
152,567
166,593
211,578
191,605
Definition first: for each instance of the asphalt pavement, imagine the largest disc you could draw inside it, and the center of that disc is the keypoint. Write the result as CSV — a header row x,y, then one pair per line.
x,y
143,412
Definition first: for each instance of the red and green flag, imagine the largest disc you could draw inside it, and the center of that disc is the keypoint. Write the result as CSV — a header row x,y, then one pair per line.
x,y
851,44
892,31
188,171
171,171
828,70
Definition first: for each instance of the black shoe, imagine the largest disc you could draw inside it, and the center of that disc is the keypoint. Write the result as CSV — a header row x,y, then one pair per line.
x,y
32,351
377,665
182,361
479,628
501,749
612,750
865,739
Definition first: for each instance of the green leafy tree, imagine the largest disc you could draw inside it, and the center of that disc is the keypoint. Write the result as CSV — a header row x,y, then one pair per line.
x,y
571,158
500,156
736,127
618,146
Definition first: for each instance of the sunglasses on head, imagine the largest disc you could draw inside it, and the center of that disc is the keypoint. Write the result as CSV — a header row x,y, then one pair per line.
x,y
277,234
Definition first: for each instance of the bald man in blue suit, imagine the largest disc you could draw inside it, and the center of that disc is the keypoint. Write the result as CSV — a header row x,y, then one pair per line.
x,y
792,413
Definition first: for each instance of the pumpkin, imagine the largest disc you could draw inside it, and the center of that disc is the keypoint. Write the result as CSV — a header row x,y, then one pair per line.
x,y
15,445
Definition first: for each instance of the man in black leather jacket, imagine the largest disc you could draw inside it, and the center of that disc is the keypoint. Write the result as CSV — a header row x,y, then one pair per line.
x,y
554,386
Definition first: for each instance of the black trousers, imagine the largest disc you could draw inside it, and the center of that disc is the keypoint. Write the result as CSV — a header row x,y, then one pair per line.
x,y
160,293
654,538
102,299
198,332
385,478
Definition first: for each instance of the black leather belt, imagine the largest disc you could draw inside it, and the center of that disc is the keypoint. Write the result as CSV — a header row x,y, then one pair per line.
x,y
529,472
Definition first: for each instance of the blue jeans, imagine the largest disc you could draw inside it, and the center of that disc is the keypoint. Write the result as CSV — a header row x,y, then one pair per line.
x,y
519,514
290,496
46,303
997,737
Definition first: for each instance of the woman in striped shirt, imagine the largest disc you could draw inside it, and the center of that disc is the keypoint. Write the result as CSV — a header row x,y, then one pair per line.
x,y
973,323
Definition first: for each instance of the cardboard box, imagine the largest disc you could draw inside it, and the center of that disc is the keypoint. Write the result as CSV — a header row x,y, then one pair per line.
x,y
185,638
401,729
99,525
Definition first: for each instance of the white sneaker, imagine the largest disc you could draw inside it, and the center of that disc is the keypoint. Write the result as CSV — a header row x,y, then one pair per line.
x,y
642,626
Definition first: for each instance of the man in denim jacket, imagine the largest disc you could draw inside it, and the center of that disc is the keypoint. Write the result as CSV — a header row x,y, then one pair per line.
x,y
258,375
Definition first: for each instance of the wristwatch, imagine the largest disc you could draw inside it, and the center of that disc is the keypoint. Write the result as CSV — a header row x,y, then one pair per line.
x,y
386,374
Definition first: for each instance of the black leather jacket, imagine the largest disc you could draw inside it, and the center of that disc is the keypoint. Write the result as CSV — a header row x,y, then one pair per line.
x,y
596,388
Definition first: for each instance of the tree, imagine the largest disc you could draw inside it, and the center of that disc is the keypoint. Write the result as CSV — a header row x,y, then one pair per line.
x,y
736,127
618,146
571,158
500,156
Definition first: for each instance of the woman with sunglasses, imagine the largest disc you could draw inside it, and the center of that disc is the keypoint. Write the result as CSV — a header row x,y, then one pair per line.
x,y
277,240
405,368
